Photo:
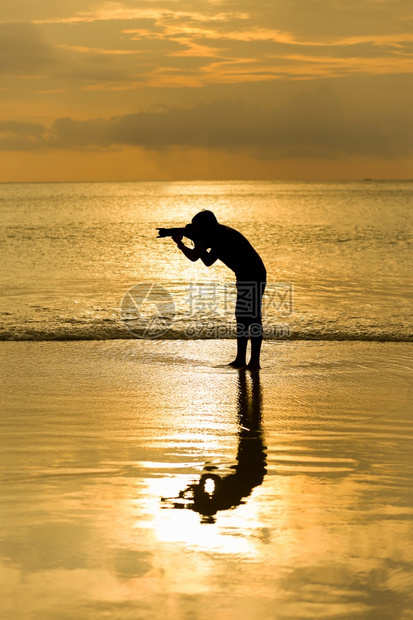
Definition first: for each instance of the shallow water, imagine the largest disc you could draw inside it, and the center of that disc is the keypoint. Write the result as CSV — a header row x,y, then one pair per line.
x,y
71,251
144,479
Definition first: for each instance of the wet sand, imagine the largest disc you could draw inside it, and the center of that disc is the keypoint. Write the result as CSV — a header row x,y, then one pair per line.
x,y
145,480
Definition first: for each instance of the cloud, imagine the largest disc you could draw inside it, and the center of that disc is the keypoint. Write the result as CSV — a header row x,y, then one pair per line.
x,y
324,20
309,19
228,76
18,136
24,49
161,43
27,51
313,124
28,10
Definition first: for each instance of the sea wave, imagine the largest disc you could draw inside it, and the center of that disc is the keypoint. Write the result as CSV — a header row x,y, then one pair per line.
x,y
274,333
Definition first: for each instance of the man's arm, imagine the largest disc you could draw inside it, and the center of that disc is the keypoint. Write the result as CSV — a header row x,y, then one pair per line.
x,y
197,252
208,258
192,253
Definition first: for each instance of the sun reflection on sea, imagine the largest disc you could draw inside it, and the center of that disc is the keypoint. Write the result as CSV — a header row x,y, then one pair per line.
x,y
185,526
144,496
218,483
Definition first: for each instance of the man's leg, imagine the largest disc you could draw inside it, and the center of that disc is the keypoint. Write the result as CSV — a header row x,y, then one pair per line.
x,y
242,342
256,341
243,318
256,331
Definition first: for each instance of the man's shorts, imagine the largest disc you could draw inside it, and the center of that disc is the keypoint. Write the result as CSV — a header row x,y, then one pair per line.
x,y
249,300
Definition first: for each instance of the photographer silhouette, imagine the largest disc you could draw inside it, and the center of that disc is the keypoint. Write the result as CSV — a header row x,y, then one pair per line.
x,y
214,241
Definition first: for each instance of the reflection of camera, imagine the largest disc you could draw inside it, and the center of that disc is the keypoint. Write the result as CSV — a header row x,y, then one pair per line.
x,y
188,231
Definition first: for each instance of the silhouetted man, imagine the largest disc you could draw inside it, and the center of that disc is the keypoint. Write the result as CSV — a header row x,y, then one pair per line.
x,y
235,251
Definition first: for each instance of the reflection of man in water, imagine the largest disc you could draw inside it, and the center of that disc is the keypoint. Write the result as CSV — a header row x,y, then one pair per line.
x,y
236,252
217,491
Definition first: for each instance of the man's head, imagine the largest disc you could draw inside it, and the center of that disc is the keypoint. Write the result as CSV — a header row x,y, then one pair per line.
x,y
204,221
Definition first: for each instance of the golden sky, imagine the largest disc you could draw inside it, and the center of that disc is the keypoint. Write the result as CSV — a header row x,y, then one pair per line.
x,y
219,89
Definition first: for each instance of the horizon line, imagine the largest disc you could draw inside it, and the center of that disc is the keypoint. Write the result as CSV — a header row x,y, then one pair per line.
x,y
296,180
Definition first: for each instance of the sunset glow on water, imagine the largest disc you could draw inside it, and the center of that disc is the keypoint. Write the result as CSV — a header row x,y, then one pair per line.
x,y
157,463
104,438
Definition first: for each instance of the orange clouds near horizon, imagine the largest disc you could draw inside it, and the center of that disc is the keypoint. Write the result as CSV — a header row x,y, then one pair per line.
x,y
159,90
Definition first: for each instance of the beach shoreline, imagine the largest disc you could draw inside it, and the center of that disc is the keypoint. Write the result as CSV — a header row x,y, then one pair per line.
x,y
101,439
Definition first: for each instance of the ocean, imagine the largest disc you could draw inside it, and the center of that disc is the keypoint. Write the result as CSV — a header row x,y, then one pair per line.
x,y
81,261
142,477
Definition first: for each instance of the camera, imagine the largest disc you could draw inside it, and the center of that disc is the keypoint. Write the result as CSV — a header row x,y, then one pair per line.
x,y
188,231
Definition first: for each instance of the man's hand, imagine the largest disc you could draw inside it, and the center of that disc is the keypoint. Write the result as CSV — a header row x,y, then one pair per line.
x,y
177,238
200,247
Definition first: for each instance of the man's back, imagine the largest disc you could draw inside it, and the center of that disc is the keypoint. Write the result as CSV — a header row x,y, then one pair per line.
x,y
236,252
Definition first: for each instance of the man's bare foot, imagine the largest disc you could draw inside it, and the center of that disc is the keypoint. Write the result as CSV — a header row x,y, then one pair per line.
x,y
237,364
253,366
